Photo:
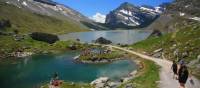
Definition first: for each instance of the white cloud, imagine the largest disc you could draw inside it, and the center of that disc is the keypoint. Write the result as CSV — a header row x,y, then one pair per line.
x,y
98,17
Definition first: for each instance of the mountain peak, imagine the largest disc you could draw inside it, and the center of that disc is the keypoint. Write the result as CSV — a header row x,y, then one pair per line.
x,y
127,5
130,15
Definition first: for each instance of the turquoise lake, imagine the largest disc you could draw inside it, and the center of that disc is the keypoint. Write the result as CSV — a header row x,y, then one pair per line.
x,y
32,71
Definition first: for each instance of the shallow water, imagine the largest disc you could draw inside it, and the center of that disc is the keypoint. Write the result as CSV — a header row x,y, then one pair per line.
x,y
31,72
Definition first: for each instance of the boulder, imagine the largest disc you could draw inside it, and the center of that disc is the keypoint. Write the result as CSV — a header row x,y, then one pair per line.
x,y
4,23
45,37
185,54
133,73
100,85
100,80
198,66
173,47
198,58
196,61
73,47
102,40
158,50
156,33
21,54
113,84
157,55
176,52
129,85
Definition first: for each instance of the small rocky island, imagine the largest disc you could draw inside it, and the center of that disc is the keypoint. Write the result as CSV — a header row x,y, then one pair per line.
x,y
102,40
98,55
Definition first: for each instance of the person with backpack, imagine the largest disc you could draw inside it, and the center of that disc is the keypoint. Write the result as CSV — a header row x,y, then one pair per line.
x,y
55,82
183,75
174,69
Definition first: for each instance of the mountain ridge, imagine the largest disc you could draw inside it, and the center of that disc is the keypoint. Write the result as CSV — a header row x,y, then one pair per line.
x,y
130,15
25,21
56,10
178,13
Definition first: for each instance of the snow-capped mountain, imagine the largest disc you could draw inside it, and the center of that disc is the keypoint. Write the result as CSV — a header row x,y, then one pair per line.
x,y
130,15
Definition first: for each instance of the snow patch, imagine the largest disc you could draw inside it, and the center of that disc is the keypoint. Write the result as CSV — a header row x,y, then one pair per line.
x,y
126,12
125,17
156,10
136,17
159,10
98,17
147,9
132,20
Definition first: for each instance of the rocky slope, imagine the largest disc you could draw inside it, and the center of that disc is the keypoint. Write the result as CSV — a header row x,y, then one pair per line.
x,y
23,21
135,16
179,13
49,8
181,25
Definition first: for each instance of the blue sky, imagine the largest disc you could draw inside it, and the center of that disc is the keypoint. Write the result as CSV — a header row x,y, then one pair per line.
x,y
91,7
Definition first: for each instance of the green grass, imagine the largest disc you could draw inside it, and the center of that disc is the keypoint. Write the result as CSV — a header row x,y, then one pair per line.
x,y
69,85
151,43
26,22
9,45
112,55
186,38
146,77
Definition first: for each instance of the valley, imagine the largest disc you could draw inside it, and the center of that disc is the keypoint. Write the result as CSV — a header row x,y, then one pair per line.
x,y
134,46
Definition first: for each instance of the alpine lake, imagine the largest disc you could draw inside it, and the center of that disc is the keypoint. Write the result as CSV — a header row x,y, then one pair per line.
x,y
35,70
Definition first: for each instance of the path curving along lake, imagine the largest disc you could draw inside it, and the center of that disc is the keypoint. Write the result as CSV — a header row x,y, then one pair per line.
x,y
32,71
116,36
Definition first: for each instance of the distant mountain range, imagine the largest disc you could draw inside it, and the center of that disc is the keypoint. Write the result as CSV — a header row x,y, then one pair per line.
x,y
125,16
128,15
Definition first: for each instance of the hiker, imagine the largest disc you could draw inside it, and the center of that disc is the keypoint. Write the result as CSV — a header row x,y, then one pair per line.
x,y
180,62
183,75
55,80
174,69
55,76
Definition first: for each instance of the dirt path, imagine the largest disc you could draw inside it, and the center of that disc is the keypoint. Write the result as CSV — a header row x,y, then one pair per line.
x,y
166,75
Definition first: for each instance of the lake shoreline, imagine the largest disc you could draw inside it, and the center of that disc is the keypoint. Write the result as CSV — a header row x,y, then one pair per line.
x,y
131,75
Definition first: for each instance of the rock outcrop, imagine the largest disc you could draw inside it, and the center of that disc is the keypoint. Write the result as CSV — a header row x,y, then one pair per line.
x,y
156,33
178,13
4,23
102,40
45,37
